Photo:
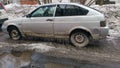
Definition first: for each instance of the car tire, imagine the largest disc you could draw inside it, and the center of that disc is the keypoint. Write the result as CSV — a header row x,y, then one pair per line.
x,y
79,39
14,33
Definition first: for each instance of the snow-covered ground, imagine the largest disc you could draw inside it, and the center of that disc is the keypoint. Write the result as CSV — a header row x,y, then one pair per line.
x,y
112,15
111,12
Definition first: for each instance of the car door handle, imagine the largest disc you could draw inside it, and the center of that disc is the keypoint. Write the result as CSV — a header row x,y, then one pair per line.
x,y
49,20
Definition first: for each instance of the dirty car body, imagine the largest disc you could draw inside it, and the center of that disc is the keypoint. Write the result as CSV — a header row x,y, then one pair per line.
x,y
73,21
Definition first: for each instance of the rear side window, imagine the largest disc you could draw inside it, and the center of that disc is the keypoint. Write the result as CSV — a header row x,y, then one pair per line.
x,y
70,10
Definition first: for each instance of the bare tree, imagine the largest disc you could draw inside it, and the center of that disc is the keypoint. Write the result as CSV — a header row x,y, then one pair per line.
x,y
83,1
101,2
90,2
60,1
39,2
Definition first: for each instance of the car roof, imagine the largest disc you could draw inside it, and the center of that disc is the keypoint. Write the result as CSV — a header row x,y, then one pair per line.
x,y
61,3
77,4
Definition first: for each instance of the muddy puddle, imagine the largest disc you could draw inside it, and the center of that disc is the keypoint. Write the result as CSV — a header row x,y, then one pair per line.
x,y
24,56
27,59
35,59
31,59
15,59
41,55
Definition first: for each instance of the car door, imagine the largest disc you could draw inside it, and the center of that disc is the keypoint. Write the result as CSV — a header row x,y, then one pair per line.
x,y
40,21
67,17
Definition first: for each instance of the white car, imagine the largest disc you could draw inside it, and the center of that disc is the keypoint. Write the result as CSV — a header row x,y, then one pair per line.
x,y
72,21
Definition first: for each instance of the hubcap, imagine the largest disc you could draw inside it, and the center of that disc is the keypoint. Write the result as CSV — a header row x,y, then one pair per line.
x,y
14,34
79,38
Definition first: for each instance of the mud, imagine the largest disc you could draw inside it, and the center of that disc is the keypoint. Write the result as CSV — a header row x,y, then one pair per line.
x,y
45,53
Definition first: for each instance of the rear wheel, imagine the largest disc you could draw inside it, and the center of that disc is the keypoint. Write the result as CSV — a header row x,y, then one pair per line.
x,y
14,33
79,39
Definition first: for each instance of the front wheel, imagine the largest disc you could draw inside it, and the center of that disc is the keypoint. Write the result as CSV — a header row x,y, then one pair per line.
x,y
79,39
14,33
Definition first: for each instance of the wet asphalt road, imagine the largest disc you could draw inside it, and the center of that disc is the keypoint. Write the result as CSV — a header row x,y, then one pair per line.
x,y
103,53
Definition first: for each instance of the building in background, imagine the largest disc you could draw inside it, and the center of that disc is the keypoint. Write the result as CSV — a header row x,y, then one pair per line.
x,y
29,2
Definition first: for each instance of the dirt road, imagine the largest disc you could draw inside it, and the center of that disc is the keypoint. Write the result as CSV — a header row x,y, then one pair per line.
x,y
45,53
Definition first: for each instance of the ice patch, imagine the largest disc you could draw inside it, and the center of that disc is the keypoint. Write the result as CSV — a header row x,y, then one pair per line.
x,y
41,47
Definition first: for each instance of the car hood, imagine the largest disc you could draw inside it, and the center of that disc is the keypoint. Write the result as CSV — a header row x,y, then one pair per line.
x,y
16,20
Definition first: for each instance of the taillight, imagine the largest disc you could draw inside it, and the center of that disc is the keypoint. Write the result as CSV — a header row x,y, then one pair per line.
x,y
102,23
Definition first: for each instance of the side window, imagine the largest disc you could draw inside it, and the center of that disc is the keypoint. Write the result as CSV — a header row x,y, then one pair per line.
x,y
45,11
80,11
70,10
60,10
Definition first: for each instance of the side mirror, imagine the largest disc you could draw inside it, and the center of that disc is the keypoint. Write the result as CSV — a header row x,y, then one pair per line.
x,y
28,15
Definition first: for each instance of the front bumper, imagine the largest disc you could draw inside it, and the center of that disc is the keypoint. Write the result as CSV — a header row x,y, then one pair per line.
x,y
4,28
2,21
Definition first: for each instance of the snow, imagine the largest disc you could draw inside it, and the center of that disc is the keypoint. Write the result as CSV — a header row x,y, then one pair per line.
x,y
112,15
15,10
41,47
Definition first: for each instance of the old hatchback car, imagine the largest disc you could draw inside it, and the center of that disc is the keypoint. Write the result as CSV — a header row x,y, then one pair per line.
x,y
72,21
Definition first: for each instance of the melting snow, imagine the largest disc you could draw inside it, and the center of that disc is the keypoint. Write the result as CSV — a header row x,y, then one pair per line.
x,y
16,10
112,15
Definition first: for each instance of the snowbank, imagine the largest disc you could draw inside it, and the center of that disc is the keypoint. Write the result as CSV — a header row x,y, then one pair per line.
x,y
16,10
112,15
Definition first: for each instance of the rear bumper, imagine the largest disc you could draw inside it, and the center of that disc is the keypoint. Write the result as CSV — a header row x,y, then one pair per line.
x,y
100,33
104,32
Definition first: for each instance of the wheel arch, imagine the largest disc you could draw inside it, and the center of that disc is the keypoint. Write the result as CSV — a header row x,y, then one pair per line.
x,y
12,25
83,29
